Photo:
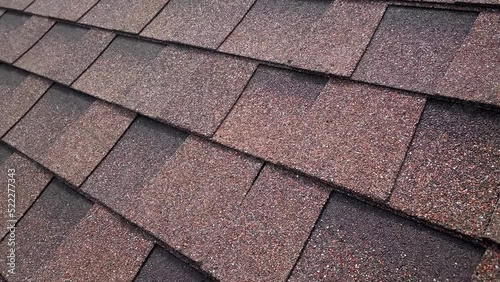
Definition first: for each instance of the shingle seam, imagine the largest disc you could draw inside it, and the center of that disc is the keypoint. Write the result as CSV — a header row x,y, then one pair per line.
x,y
29,5
252,184
86,12
236,26
154,17
490,219
144,262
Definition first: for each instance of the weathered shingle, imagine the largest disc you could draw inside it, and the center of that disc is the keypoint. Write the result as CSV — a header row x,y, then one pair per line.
x,y
493,231
15,4
65,52
451,173
489,268
65,9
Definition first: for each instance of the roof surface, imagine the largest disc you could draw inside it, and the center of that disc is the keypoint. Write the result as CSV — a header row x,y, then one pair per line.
x,y
250,140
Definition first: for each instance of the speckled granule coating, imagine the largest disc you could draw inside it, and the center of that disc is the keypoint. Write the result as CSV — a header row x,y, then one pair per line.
x,y
163,266
15,4
321,35
461,2
19,32
203,23
451,174
475,71
5,153
269,230
130,16
352,135
18,92
101,247
493,231
70,10
65,52
43,229
143,150
413,47
489,268
357,242
30,180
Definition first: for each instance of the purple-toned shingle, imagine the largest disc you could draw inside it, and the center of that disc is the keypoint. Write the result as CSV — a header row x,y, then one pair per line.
x,y
413,47
321,35
354,241
493,231
65,52
69,132
203,23
350,134
489,268
101,247
450,176
474,73
70,10
129,16
19,91
19,32
15,4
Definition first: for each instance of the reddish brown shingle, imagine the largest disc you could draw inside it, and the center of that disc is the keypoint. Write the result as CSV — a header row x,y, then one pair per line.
x,y
493,231
65,9
489,268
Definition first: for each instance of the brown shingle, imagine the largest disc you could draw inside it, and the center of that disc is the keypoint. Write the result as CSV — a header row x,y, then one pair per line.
x,y
15,4
489,268
318,35
357,242
65,52
413,47
19,32
493,231
65,9
475,71
353,135
18,92
101,247
451,173
130,16
203,23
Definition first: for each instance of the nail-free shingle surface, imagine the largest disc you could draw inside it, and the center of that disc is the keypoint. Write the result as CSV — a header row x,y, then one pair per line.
x,y
203,23
493,231
320,35
450,176
102,247
69,132
413,47
43,229
65,52
65,9
5,153
163,266
351,134
15,4
475,71
354,241
130,16
19,91
19,32
186,87
489,268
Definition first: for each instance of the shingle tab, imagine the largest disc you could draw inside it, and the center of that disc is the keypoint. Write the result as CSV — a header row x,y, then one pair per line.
x,y
335,136
493,231
15,4
65,52
203,23
413,47
186,87
19,91
450,176
489,268
19,32
320,35
69,132
357,242
101,247
475,71
70,10
130,16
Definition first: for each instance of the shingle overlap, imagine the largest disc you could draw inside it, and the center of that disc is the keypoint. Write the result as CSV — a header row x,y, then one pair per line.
x,y
70,10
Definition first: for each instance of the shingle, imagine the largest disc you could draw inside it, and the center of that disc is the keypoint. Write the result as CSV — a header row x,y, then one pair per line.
x,y
450,176
19,32
357,242
186,87
15,4
129,16
320,35
350,134
2,11
5,153
493,231
65,52
19,91
271,227
143,150
489,268
203,23
101,247
69,132
163,266
44,228
413,47
70,10
474,72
